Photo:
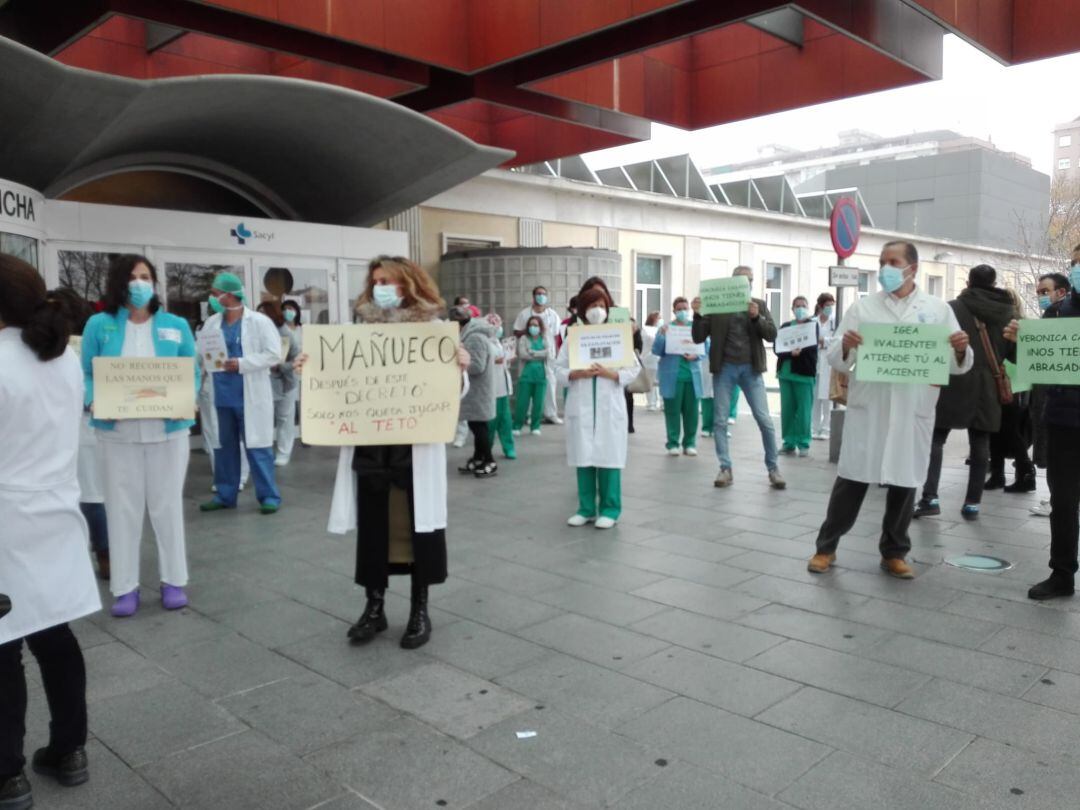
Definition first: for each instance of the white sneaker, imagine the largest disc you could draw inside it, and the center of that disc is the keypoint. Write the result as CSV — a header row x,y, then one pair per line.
x,y
536,432
555,420
706,434
213,487
1042,510
690,451
673,451
515,432
802,452
730,421
243,484
605,522
578,520
281,461
457,443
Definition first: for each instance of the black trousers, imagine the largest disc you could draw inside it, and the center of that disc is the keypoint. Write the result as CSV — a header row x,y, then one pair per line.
x,y
1063,477
844,504
481,442
629,412
373,566
978,455
63,674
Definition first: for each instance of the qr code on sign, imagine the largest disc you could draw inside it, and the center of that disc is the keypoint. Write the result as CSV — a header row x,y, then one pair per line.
x,y
600,353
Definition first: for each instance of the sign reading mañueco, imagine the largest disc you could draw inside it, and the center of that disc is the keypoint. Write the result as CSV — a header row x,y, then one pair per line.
x,y
370,384
904,353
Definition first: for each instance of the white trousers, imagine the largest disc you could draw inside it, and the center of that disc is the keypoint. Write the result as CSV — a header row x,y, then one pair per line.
x,y
285,423
141,478
652,397
821,421
551,394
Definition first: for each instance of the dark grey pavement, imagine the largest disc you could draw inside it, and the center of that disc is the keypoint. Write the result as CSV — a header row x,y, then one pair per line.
x,y
685,659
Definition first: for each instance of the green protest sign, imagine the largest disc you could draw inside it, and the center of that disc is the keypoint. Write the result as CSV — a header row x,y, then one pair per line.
x,y
1018,387
720,296
1048,351
904,353
618,315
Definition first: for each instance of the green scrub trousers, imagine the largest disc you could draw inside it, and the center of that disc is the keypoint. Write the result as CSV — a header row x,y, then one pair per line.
x,y
599,484
502,426
682,409
796,407
707,415
532,386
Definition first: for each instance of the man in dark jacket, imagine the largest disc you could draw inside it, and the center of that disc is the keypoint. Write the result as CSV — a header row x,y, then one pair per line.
x,y
1061,418
737,357
970,401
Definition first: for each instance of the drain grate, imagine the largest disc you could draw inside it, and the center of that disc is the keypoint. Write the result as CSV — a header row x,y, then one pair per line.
x,y
978,562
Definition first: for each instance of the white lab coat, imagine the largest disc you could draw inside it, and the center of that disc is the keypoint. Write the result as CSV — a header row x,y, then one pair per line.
x,y
44,559
888,426
827,333
261,343
648,359
595,437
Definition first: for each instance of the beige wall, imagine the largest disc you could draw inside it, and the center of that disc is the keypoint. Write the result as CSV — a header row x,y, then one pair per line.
x,y
671,248
434,222
560,234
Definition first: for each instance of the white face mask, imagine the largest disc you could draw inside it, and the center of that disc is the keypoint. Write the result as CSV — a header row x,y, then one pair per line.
x,y
596,315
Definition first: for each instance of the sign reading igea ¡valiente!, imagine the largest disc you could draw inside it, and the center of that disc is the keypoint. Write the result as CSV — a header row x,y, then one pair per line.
x,y
372,384
904,353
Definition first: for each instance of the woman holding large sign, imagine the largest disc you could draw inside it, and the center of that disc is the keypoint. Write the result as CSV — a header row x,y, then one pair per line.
x,y
145,460
596,423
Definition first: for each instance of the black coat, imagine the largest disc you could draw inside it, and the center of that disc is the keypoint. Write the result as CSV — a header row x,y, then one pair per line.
x,y
805,364
971,400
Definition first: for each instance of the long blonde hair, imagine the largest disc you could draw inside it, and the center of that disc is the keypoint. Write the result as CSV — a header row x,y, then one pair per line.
x,y
417,287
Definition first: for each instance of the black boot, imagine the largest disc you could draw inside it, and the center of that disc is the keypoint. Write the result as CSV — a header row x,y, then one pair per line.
x,y
69,770
373,619
418,630
1025,479
15,793
997,474
1056,585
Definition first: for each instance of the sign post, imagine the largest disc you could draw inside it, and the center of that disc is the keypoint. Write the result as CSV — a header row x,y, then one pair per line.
x,y
845,227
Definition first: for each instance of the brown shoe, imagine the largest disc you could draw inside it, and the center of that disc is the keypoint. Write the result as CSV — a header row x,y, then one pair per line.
x,y
897,568
820,563
103,570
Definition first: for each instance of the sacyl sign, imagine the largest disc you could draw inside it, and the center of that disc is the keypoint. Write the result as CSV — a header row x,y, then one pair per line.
x,y
17,205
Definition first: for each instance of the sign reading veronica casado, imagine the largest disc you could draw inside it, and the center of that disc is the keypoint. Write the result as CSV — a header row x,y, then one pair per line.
x,y
371,384
144,388
904,353
1048,352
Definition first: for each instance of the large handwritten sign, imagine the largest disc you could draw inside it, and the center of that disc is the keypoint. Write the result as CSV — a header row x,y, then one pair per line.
x,y
904,353
796,336
144,388
368,384
1048,352
680,340
720,296
609,344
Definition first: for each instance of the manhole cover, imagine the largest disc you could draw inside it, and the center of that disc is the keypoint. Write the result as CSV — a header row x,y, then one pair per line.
x,y
978,562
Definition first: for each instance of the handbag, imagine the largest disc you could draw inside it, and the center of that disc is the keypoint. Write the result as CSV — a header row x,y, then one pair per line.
x,y
838,387
1001,379
643,382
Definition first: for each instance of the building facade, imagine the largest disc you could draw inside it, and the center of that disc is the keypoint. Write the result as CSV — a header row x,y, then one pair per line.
x,y
1067,151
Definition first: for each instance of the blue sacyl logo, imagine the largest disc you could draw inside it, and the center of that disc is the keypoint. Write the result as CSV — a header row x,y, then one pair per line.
x,y
240,233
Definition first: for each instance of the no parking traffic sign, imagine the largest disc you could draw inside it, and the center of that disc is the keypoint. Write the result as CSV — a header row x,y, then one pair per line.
x,y
845,226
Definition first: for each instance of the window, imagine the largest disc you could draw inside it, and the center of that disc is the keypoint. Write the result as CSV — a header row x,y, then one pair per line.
x,y
455,243
913,216
21,247
648,287
865,284
1064,163
309,287
935,285
187,287
775,278
85,272
1065,140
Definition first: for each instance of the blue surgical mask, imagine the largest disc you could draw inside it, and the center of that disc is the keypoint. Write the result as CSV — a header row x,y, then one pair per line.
x,y
386,296
828,311
1044,302
891,278
682,315
139,293
534,330
801,313
1074,276
289,315
541,300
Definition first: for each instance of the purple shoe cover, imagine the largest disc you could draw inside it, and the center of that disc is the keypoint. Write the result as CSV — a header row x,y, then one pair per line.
x,y
126,604
172,597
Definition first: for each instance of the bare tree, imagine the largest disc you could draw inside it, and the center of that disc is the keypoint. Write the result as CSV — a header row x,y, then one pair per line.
x,y
1045,246
85,272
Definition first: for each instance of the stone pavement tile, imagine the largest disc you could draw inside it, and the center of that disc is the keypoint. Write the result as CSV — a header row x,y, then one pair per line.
x,y
839,672
570,757
112,784
776,565
788,592
579,689
990,672
452,701
350,800
1056,689
801,548
153,632
709,527
524,795
495,608
333,656
1012,584
919,592
867,730
717,637
709,601
216,594
1008,720
275,624
227,665
688,787
694,547
1038,648
606,574
591,640
606,605
844,782
935,625
750,753
514,578
144,726
91,634
480,650
240,772
718,575
1014,778
719,683
115,669
307,712
605,547
814,628
405,765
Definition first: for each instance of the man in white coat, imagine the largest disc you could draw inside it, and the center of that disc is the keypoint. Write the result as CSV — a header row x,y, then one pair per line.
x,y
552,323
243,397
888,426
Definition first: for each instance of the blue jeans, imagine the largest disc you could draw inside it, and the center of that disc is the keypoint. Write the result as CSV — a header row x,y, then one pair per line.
x,y
97,524
227,462
753,386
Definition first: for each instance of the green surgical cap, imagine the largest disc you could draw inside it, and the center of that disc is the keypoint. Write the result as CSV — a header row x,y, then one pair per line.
x,y
230,283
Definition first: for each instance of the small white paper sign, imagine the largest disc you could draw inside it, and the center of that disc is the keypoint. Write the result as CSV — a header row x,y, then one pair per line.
x,y
525,735
796,336
679,340
212,350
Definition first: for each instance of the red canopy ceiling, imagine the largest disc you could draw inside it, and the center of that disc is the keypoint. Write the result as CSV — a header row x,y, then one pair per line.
x,y
549,78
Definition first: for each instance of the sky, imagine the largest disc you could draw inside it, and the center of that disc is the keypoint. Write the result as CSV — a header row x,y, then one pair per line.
x,y
1014,107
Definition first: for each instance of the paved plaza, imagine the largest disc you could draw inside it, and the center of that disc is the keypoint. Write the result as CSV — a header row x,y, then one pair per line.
x,y
685,659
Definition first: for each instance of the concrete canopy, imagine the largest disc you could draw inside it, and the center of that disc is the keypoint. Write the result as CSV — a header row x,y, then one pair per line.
x,y
297,149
